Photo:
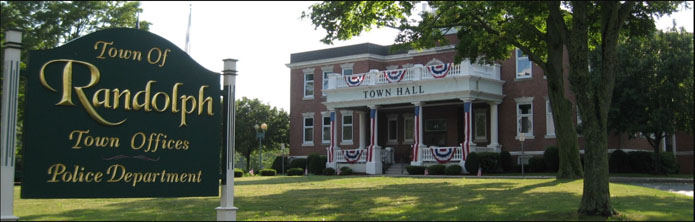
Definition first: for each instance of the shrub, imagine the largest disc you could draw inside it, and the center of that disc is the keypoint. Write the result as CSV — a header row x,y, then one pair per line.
x,y
316,165
268,172
298,163
328,171
506,161
295,172
345,171
641,161
415,170
488,162
436,169
536,164
618,162
238,172
551,157
668,163
453,170
277,164
472,163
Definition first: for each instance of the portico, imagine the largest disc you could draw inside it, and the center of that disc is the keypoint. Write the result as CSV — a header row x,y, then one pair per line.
x,y
399,100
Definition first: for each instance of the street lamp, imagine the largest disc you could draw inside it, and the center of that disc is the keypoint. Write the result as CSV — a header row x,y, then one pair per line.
x,y
260,133
522,138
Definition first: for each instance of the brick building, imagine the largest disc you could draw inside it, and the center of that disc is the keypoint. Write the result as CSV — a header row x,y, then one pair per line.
x,y
363,105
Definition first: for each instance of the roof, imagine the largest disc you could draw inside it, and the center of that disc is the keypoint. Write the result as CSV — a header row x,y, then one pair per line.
x,y
343,51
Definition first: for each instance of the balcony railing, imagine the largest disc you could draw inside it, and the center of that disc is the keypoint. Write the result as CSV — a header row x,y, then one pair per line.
x,y
416,73
339,154
427,156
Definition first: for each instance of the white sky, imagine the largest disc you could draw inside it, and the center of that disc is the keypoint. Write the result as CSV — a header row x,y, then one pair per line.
x,y
262,35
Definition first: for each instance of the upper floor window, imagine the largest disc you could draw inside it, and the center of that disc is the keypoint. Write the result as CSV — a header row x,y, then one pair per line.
x,y
523,65
347,72
347,68
309,83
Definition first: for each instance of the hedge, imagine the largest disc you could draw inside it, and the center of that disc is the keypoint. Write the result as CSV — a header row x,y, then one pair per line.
x,y
277,164
669,164
506,161
489,162
268,172
641,161
295,172
436,169
619,162
316,165
415,170
536,164
345,171
238,172
472,163
329,171
298,163
453,170
551,157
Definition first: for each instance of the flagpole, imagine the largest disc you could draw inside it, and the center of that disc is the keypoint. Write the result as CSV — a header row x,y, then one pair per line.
x,y
188,29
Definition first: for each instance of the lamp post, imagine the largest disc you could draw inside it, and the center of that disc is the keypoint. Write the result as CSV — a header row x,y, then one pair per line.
x,y
260,133
522,138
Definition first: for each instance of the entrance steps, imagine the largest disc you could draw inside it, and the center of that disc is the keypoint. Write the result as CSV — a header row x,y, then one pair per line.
x,y
397,169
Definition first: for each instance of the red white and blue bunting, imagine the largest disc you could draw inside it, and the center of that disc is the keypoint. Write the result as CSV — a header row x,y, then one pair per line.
x,y
466,145
332,146
439,71
443,155
394,75
354,80
352,156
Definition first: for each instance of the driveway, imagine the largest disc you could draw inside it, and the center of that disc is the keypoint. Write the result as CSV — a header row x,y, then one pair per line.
x,y
680,188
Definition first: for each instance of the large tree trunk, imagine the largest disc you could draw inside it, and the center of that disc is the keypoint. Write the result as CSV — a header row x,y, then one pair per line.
x,y
594,95
568,149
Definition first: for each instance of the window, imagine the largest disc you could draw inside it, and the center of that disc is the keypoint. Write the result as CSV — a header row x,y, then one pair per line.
x,y
347,68
392,129
409,130
549,124
325,70
523,65
308,85
480,124
326,129
524,116
435,132
347,72
347,127
308,129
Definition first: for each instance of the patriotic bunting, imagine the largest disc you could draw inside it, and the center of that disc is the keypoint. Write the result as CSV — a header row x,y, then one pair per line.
x,y
443,155
466,145
352,156
354,80
416,143
439,71
394,76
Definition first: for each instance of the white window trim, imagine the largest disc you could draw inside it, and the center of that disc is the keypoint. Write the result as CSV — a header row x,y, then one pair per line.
x,y
523,101
308,71
304,127
325,70
392,117
343,114
347,66
406,118
476,113
549,134
516,59
391,67
323,125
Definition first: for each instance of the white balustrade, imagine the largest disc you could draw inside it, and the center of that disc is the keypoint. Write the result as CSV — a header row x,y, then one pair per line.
x,y
427,156
375,77
340,158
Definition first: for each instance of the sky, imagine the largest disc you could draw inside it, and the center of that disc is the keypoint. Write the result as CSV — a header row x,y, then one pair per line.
x,y
262,35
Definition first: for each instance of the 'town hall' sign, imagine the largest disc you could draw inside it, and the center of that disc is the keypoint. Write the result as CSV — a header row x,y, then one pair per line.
x,y
120,113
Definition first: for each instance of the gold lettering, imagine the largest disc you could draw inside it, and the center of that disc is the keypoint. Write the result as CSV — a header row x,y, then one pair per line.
x,y
79,137
166,102
132,141
184,108
117,96
149,55
55,170
172,177
115,168
175,93
201,101
148,92
105,101
103,48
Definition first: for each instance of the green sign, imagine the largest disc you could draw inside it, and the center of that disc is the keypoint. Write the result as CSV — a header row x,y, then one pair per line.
x,y
120,113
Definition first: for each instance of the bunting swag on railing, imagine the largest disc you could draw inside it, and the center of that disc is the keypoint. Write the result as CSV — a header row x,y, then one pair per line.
x,y
443,155
354,80
352,156
394,76
439,71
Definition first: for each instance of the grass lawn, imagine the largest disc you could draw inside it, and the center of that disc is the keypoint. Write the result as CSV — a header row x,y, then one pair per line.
x,y
375,198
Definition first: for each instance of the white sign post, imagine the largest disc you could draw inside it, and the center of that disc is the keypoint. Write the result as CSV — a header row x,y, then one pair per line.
x,y
13,47
226,211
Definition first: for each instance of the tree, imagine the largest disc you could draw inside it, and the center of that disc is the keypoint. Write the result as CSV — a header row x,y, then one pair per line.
x,y
654,87
540,30
251,112
47,24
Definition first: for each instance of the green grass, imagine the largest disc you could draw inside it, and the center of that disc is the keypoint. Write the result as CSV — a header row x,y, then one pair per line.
x,y
375,198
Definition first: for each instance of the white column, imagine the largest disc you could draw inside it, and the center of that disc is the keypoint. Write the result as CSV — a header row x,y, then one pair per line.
x,y
494,140
417,144
373,151
226,211
331,162
363,129
13,43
